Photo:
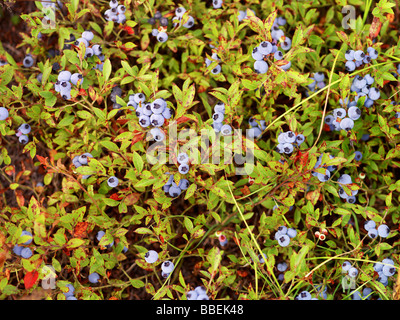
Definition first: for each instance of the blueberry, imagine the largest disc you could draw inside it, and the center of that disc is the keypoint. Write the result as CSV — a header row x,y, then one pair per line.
x,y
278,55
25,128
174,191
347,124
300,139
180,11
167,266
256,54
353,272
283,240
344,179
158,134
23,139
374,94
121,9
329,119
113,3
282,266
226,130
359,55
28,61
192,295
189,23
183,168
151,256
138,98
217,69
265,47
346,266
202,297
287,44
218,117
162,37
339,113
261,258
289,137
372,53
319,76
383,230
350,66
94,277
349,55
219,107
83,158
64,76
158,106
164,21
112,182
144,121
291,232
372,233
253,132
286,66
26,253
182,158
157,120
217,4
382,278
354,113
88,35
76,79
357,155
167,113
183,184
147,109
81,40
260,66
324,177
388,270
378,267
17,249
200,290
71,290
304,295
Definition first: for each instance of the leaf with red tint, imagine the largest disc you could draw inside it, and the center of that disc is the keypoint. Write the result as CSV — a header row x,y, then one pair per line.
x,y
30,279
82,92
20,197
115,196
129,30
80,229
42,160
375,28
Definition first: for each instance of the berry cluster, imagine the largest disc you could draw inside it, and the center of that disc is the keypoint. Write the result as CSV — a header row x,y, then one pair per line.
x,y
91,50
306,295
281,267
180,19
82,160
22,132
161,32
173,189
344,180
64,83
199,293
357,58
348,269
385,269
317,82
242,14
288,140
100,235
24,252
70,294
218,118
370,226
257,127
150,113
326,174
116,12
214,58
284,234
268,49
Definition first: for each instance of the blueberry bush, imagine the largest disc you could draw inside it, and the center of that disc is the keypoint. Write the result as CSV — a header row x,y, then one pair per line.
x,y
199,150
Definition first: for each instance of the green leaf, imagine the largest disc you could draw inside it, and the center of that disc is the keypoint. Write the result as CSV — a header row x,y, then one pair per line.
x,y
109,145
106,69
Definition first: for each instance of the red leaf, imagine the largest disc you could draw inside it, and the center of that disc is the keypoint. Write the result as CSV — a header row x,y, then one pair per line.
x,y
30,279
115,196
42,160
129,30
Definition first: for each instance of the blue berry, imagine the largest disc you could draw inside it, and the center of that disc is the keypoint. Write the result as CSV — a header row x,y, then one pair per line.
x,y
383,230
226,130
291,232
304,295
374,94
349,55
346,266
3,113
17,249
359,55
218,117
357,155
83,158
71,290
347,124
151,256
28,61
260,66
350,66
23,139
200,290
192,295
94,277
112,182
372,233
174,191
144,121
388,270
26,253
219,107
183,168
353,272
283,240
287,44
182,158
265,47
167,266
282,266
